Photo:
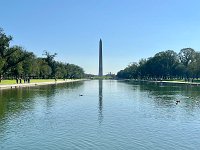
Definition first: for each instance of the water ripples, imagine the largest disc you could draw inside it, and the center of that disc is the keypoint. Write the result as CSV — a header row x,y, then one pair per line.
x,y
109,115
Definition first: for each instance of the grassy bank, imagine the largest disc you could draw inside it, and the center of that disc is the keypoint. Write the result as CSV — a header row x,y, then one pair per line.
x,y
172,81
10,84
3,82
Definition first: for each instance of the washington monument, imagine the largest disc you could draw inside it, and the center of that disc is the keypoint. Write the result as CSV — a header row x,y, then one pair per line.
x,y
100,59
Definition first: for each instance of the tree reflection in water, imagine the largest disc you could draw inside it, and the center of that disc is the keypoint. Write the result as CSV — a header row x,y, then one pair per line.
x,y
13,101
166,94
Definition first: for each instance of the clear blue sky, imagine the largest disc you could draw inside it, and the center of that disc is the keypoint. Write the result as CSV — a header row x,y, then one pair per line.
x,y
130,29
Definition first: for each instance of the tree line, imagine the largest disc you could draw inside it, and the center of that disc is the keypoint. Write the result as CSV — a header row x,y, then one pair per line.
x,y
16,62
165,65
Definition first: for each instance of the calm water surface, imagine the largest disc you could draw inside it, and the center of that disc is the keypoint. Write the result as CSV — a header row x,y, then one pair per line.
x,y
110,115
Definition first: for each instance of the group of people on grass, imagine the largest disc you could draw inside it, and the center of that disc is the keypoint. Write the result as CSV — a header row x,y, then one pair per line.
x,y
26,80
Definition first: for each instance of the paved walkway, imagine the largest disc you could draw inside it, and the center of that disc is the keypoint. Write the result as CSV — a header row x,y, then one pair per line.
x,y
10,86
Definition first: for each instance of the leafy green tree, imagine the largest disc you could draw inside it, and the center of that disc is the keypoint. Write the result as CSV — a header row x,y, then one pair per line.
x,y
4,47
51,62
44,69
10,57
142,69
165,64
194,67
129,72
16,61
17,56
180,71
29,65
186,56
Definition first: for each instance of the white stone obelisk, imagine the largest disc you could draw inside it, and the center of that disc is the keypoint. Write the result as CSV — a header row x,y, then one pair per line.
x,y
100,59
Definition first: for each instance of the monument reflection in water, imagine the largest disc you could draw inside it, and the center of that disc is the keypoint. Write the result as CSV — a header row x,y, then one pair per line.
x,y
100,117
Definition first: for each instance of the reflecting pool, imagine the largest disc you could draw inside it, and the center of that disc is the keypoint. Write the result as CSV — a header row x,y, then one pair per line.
x,y
100,115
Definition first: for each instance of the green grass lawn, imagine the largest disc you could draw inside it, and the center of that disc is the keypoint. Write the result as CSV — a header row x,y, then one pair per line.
x,y
32,81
